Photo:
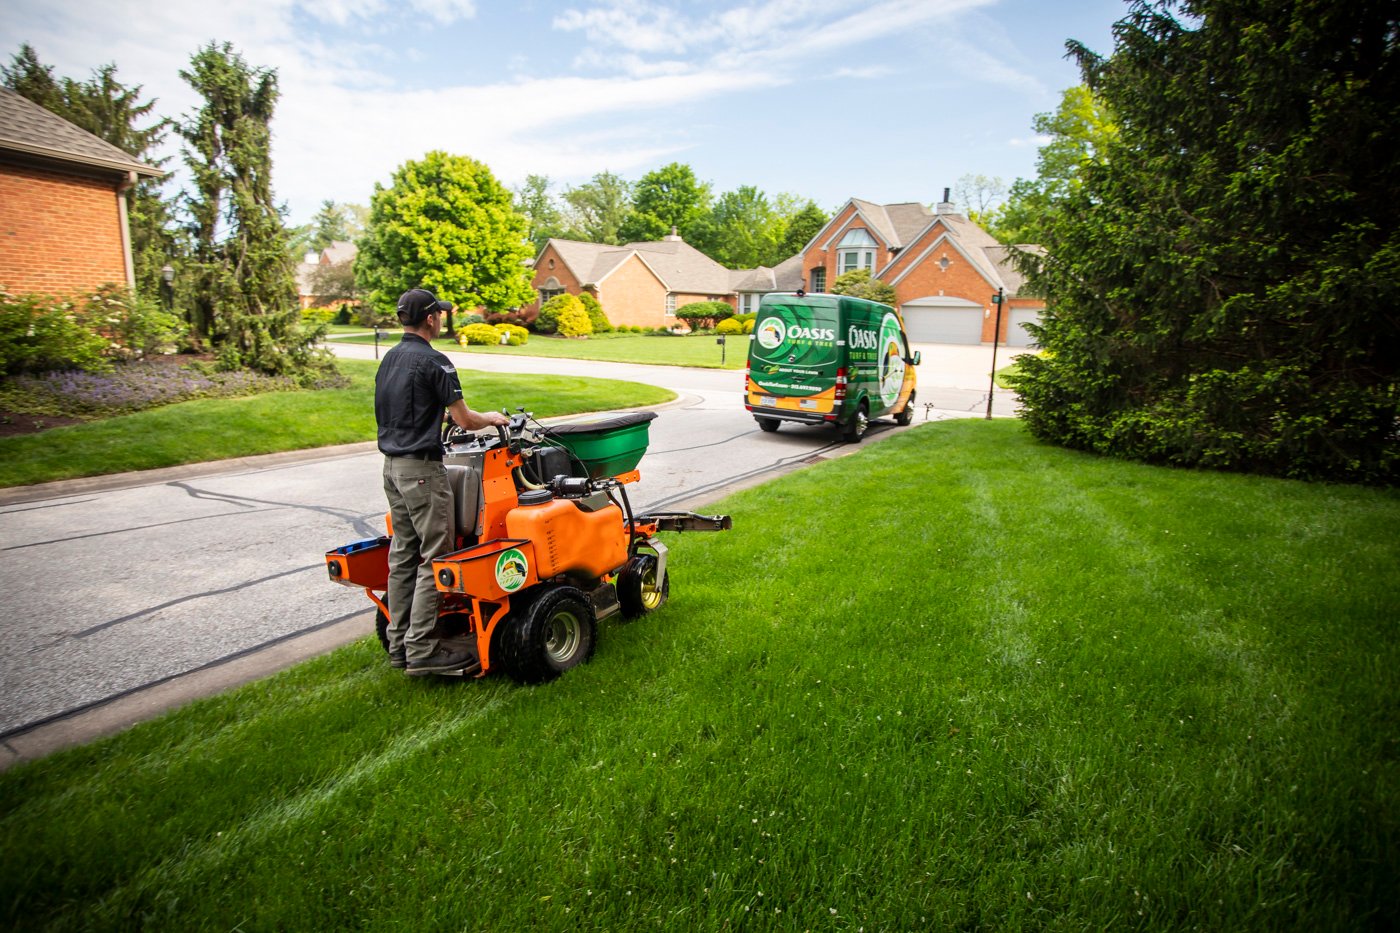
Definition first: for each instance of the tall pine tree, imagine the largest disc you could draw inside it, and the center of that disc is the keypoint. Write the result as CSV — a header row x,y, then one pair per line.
x,y
1222,287
246,301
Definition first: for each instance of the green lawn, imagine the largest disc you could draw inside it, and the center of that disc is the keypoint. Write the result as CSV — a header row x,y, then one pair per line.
x,y
693,350
959,680
215,429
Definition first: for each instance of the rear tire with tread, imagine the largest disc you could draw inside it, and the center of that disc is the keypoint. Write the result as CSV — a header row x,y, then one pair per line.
x,y
906,414
554,633
859,422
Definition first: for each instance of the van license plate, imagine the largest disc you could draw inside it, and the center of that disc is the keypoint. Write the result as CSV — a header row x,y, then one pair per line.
x,y
768,401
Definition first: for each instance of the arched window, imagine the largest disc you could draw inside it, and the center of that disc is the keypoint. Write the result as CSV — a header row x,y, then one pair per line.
x,y
855,251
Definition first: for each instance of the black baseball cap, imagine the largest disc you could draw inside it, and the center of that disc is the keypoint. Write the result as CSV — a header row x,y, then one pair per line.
x,y
417,303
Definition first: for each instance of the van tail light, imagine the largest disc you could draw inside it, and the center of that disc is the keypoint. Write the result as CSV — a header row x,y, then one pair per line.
x,y
840,385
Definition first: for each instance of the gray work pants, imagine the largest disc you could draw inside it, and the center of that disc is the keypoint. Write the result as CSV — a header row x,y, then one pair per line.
x,y
420,504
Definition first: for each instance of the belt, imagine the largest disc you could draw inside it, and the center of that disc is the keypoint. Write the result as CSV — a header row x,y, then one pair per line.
x,y
422,455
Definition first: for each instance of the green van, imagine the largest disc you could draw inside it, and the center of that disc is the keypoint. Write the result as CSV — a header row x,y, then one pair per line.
x,y
829,359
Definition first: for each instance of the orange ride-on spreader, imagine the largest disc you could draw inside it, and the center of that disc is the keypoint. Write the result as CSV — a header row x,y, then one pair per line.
x,y
547,544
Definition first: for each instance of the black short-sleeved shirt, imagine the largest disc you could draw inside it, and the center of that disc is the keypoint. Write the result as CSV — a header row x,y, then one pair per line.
x,y
413,386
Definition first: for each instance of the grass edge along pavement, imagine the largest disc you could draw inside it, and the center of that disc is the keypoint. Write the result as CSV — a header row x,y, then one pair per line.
x,y
1070,693
696,350
206,430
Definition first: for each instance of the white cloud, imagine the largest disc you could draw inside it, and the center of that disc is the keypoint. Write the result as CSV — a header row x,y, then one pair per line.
x,y
1023,142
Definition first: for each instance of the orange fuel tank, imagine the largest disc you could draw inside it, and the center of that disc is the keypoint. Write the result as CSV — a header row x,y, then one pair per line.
x,y
584,536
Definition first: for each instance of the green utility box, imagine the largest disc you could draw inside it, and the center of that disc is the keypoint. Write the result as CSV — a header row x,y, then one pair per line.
x,y
607,447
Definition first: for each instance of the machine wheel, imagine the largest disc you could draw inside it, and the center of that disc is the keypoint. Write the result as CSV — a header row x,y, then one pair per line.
x,y
381,626
768,425
638,591
555,633
856,429
906,414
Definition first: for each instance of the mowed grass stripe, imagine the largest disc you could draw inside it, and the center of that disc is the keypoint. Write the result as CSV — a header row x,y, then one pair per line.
x,y
959,679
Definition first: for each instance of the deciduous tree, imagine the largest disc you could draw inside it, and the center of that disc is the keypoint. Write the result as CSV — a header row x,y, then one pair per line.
x,y
597,209
670,196
446,224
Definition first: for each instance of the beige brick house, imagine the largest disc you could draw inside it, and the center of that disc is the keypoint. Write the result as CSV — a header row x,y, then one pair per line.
x,y
642,284
63,224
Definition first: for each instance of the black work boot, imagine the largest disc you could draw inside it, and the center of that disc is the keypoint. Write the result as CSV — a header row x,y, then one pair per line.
x,y
447,659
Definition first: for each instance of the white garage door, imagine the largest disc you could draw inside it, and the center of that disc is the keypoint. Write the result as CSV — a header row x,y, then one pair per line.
x,y
952,320
1016,335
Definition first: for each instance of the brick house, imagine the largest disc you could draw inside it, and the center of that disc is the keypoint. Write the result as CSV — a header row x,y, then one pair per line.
x,y
63,223
945,269
642,284
339,252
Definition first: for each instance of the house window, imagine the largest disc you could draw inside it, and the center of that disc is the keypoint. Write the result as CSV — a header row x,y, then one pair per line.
x,y
855,251
548,293
748,303
818,280
670,305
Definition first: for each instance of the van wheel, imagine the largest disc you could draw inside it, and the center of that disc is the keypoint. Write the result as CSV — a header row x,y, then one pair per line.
x,y
856,429
906,414
769,425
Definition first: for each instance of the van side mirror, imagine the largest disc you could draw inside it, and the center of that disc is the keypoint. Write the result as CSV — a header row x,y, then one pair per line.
x,y
914,360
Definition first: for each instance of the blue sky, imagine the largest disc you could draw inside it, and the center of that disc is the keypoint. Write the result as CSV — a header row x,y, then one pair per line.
x,y
890,100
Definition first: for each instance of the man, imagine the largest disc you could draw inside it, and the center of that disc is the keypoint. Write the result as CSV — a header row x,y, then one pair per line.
x,y
413,386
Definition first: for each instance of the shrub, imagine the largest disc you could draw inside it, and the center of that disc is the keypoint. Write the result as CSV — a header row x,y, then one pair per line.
x,y
314,317
481,335
574,322
39,333
729,326
704,314
133,327
596,317
748,326
343,315
474,319
516,335
858,284
548,320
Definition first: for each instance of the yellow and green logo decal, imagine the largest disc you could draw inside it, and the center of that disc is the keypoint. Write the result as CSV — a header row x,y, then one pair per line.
x,y
511,570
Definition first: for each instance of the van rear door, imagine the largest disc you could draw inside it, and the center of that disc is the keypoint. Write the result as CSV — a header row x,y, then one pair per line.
x,y
793,357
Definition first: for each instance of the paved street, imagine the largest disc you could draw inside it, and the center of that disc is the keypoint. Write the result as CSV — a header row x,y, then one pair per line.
x,y
112,590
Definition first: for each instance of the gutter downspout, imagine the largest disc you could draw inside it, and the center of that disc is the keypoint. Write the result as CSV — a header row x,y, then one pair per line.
x,y
127,184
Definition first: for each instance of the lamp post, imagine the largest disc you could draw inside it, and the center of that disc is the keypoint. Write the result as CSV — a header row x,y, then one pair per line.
x,y
167,278
997,300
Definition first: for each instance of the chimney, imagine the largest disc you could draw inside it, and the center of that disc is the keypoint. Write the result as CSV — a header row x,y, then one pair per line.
x,y
673,238
945,206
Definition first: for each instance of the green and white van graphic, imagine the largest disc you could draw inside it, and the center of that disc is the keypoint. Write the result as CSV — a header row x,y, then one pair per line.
x,y
511,570
783,337
891,360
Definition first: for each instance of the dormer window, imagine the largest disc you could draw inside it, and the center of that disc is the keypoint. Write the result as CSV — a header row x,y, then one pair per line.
x,y
855,251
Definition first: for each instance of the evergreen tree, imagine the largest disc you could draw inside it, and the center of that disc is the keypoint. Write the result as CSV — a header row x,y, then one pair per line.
x,y
331,224
801,227
1221,286
245,302
445,224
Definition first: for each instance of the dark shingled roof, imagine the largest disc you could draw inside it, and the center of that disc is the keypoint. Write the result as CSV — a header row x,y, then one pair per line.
x,y
27,128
